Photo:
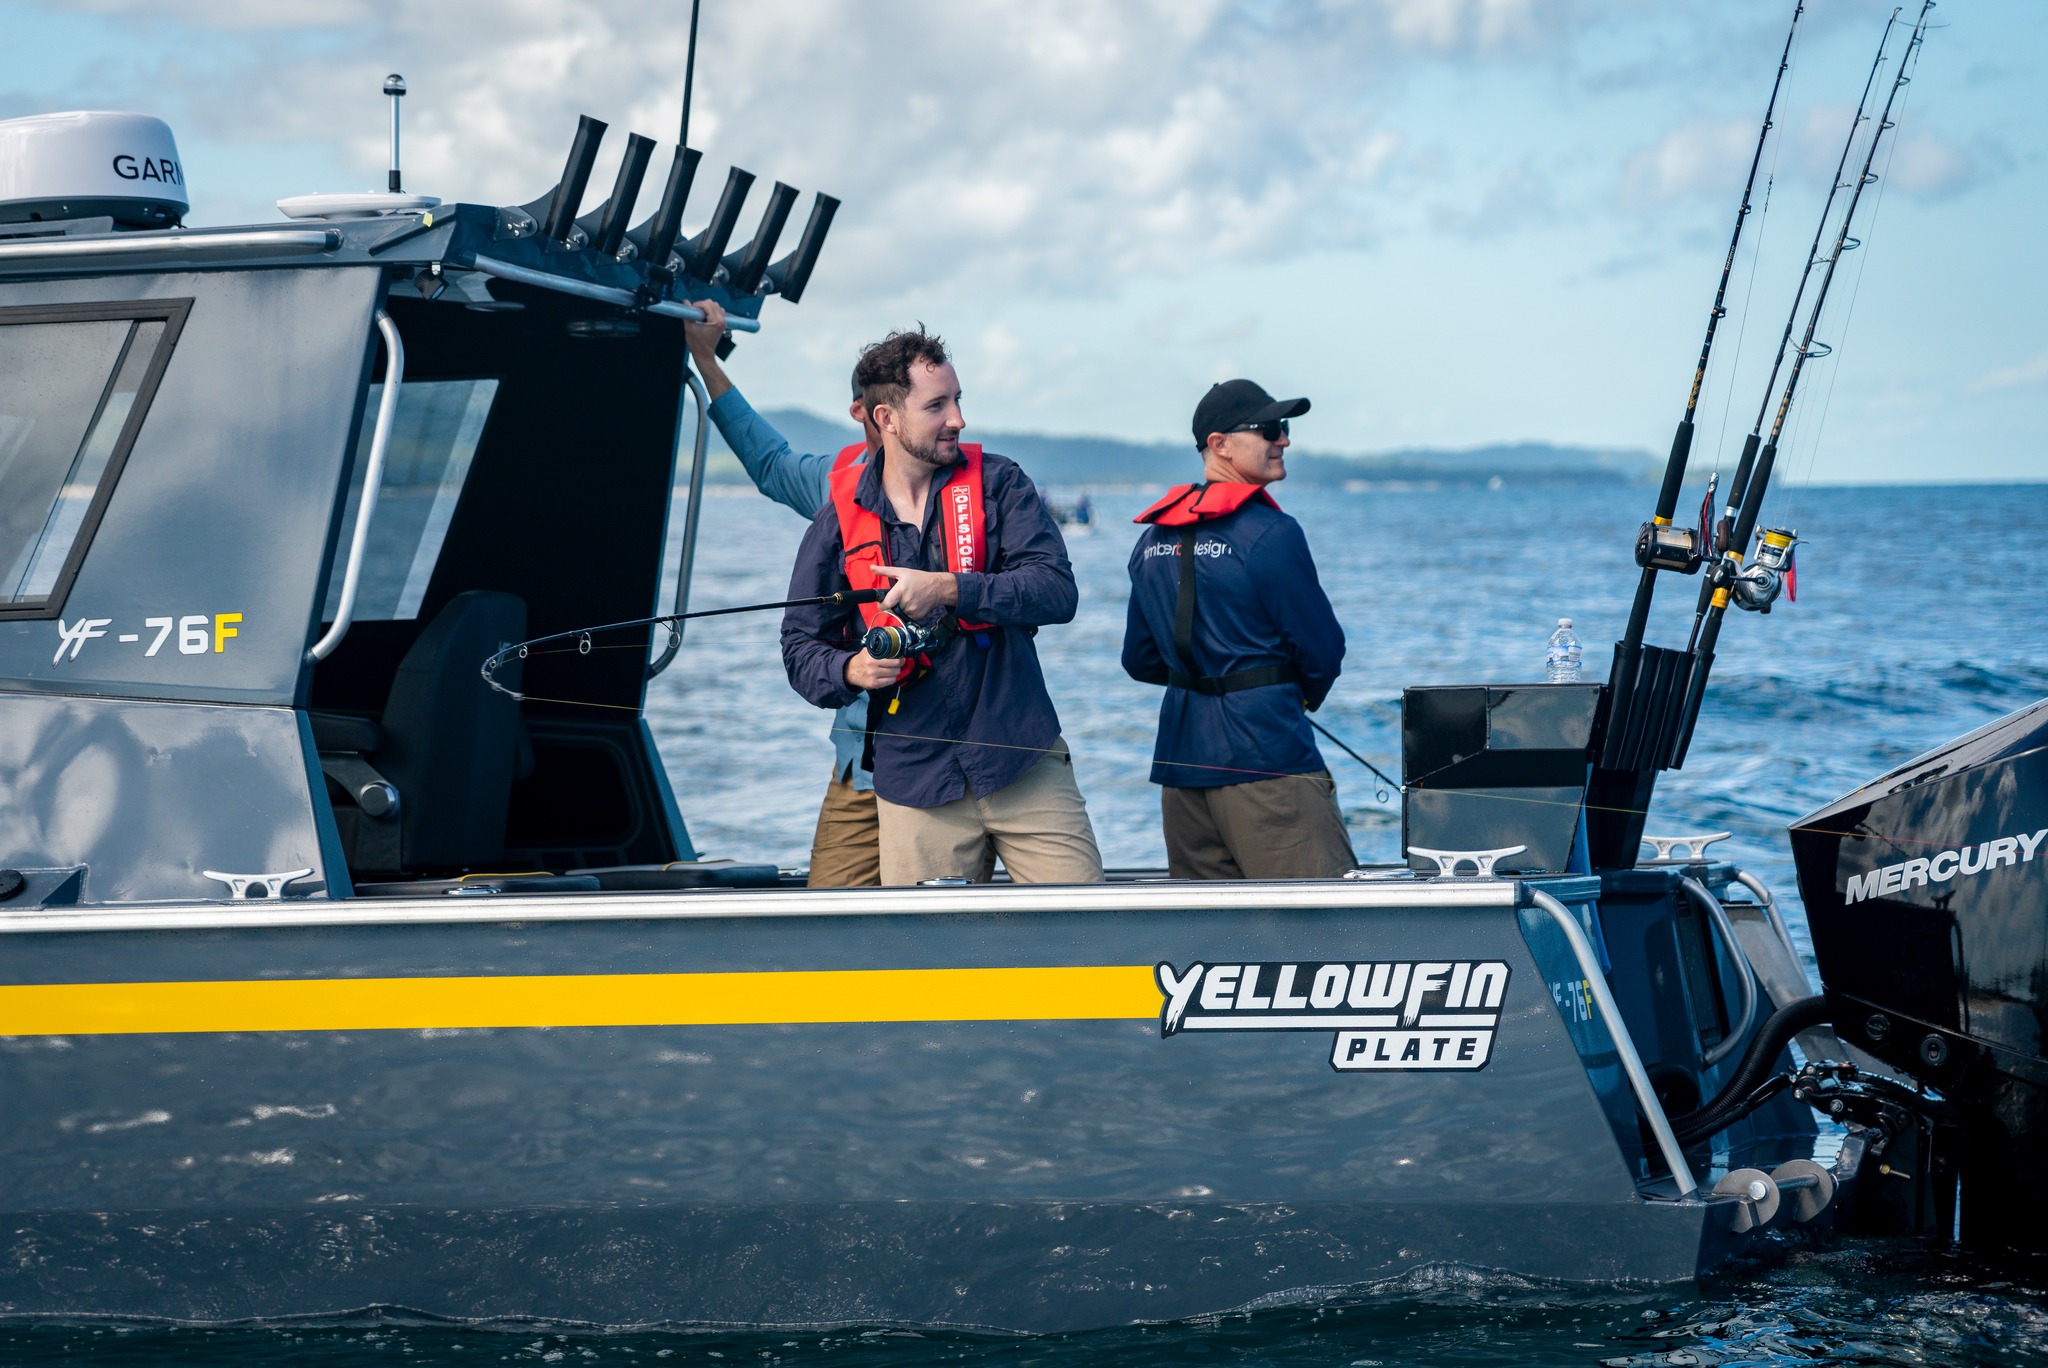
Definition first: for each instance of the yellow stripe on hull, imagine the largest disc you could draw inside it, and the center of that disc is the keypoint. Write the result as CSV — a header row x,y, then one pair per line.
x,y
1087,992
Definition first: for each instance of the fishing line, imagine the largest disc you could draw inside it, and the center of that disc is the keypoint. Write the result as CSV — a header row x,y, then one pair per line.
x,y
584,645
1387,786
1383,795
1742,329
1794,502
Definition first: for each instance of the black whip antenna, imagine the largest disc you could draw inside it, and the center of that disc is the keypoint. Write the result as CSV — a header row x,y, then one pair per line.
x,y
1729,564
689,75
1681,442
584,645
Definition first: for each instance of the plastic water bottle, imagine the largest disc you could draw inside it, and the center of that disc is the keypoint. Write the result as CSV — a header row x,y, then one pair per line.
x,y
1561,659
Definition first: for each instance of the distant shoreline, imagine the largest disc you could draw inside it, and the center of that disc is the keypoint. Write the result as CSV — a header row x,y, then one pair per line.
x,y
1104,463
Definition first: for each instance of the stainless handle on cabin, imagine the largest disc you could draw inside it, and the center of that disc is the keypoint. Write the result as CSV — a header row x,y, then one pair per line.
x,y
1723,928
604,294
1624,1046
1770,906
177,243
373,478
689,557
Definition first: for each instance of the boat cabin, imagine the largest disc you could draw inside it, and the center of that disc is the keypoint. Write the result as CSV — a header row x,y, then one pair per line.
x,y
270,495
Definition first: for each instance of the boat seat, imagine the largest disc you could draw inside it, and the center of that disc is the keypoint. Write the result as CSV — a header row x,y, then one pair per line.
x,y
684,874
432,777
346,732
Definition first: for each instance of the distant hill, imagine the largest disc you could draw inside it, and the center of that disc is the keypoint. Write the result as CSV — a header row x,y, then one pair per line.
x,y
1104,461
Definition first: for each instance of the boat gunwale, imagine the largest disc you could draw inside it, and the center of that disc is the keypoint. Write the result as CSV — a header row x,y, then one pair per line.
x,y
718,904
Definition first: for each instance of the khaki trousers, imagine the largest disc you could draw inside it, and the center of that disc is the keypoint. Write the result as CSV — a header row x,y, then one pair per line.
x,y
1282,828
1038,825
845,850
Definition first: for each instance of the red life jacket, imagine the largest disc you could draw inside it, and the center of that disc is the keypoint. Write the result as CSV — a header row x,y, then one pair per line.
x,y
961,514
1209,501
849,455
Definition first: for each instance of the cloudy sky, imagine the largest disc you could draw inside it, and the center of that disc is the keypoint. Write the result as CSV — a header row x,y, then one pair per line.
x,y
1449,222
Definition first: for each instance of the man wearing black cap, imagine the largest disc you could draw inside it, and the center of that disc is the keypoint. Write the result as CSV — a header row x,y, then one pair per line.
x,y
1227,613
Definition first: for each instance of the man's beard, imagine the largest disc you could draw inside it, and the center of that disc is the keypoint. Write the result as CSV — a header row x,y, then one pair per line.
x,y
931,454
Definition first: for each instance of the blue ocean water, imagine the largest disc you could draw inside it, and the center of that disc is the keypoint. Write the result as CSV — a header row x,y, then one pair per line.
x,y
1919,617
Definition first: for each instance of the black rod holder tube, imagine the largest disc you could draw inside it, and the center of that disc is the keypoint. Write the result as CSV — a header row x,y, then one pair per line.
x,y
789,276
753,262
561,215
668,218
707,247
618,210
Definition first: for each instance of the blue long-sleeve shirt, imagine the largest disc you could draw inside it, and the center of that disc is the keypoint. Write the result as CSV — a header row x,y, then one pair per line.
x,y
802,483
982,716
1258,603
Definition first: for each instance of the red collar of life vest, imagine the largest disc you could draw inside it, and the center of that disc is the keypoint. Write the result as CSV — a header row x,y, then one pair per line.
x,y
962,517
1198,503
852,454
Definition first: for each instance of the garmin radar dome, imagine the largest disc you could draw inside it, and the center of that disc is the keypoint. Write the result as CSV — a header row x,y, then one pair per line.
x,y
91,164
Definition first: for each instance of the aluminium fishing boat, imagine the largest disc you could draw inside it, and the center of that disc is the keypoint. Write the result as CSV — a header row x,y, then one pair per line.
x,y
334,977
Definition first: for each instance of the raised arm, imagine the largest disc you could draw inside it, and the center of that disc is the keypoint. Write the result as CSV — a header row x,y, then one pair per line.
x,y
801,483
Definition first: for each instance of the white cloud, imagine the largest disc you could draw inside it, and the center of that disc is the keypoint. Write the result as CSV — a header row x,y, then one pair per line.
x,y
1056,144
1700,155
1928,166
2033,371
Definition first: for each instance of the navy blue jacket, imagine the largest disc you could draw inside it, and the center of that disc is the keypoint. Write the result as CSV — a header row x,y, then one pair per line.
x,y
1258,603
981,717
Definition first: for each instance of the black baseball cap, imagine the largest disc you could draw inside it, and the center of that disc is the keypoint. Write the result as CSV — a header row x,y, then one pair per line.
x,y
1238,403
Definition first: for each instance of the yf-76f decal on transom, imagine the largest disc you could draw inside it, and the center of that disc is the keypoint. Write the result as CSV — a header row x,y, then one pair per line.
x,y
1404,1014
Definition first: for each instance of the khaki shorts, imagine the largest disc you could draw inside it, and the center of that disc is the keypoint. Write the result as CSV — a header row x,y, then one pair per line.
x,y
1038,825
846,851
1283,828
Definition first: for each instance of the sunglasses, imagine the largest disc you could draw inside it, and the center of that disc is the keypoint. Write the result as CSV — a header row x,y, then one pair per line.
x,y
1272,430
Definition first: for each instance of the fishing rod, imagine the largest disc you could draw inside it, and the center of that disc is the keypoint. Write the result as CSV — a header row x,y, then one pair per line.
x,y
1331,737
520,650
1659,546
1738,486
1757,586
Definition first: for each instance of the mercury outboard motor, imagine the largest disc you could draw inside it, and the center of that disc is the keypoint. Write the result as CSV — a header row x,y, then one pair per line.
x,y
1927,894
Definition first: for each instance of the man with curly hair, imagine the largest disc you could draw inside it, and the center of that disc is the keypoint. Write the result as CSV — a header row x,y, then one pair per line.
x,y
963,740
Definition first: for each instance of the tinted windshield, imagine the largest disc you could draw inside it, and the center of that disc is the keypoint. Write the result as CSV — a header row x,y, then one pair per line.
x,y
433,437
68,393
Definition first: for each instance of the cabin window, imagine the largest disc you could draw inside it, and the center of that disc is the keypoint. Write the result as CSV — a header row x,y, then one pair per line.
x,y
434,437
74,384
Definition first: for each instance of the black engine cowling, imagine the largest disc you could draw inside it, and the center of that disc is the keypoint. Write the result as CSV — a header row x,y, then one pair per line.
x,y
1927,894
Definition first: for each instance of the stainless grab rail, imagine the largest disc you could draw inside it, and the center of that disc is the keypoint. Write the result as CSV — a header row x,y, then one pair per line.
x,y
1624,1045
1770,906
1723,928
176,243
373,478
675,629
604,294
